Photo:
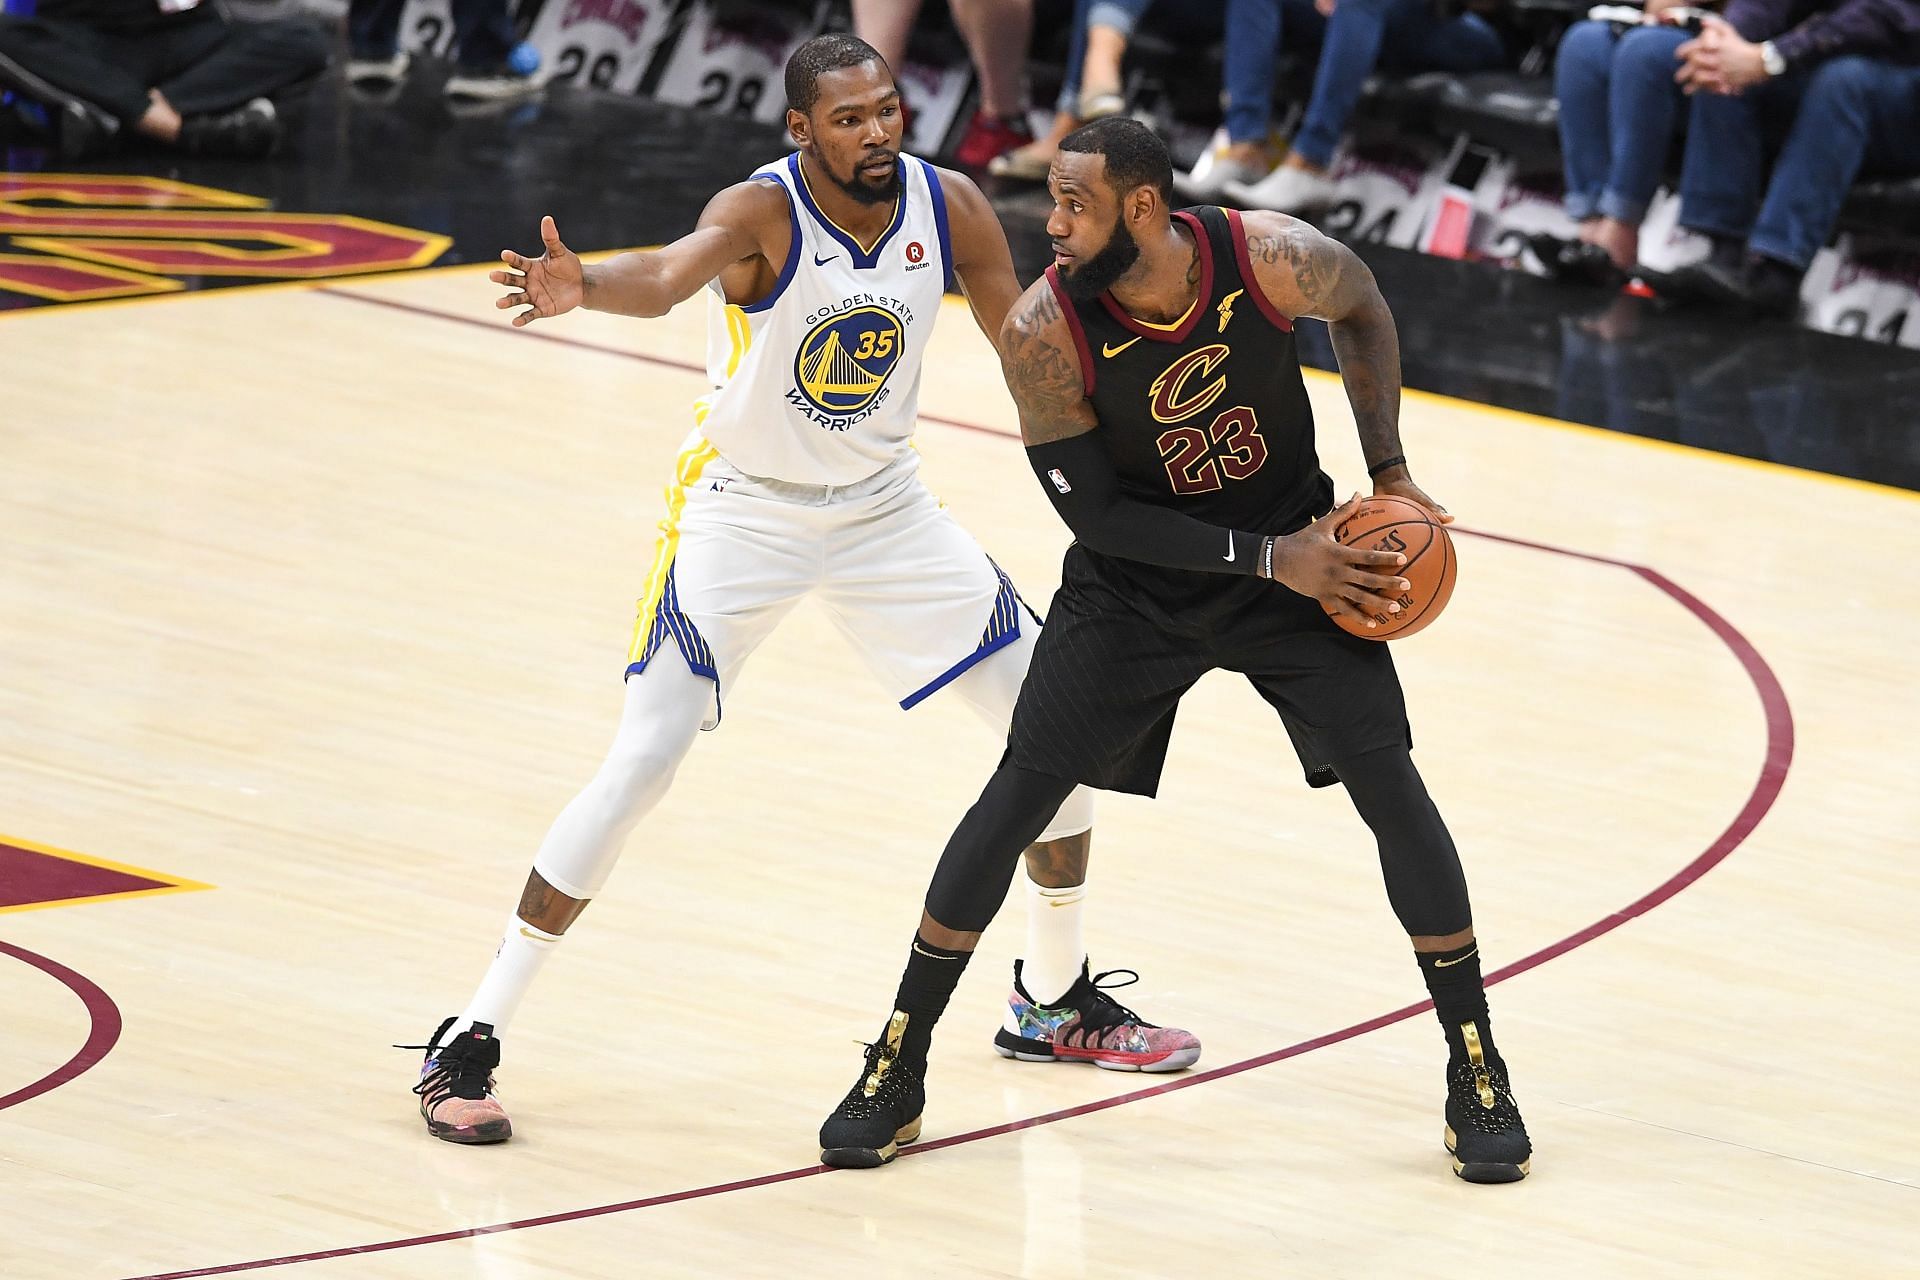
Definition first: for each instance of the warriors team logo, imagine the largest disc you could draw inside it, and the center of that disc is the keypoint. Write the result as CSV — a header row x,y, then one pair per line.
x,y
844,362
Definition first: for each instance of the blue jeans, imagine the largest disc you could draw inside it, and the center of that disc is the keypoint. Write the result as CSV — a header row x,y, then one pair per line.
x,y
1252,30
1402,35
1843,115
1618,108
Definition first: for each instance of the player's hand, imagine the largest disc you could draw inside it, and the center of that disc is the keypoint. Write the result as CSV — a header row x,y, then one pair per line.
x,y
1398,484
549,285
1348,581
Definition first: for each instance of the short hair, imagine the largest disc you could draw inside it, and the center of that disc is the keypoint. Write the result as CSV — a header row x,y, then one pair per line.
x,y
1135,155
817,57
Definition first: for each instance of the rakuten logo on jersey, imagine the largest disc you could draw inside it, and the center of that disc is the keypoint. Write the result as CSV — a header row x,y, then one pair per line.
x,y
916,255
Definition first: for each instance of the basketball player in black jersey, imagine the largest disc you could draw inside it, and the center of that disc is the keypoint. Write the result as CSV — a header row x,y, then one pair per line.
x,y
1163,410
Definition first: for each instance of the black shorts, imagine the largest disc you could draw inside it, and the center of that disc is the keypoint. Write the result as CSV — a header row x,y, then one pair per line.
x,y
1124,641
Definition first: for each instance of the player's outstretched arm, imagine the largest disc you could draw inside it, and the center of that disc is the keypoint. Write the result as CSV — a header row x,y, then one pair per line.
x,y
1305,273
981,260
1065,449
734,226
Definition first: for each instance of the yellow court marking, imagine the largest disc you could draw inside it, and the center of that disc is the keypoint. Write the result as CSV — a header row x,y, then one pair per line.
x,y
174,884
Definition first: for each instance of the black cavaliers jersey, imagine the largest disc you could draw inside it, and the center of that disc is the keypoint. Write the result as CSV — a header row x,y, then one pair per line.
x,y
1209,417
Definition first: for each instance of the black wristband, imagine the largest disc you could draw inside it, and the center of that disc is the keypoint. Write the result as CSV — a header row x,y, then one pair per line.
x,y
1386,464
1266,558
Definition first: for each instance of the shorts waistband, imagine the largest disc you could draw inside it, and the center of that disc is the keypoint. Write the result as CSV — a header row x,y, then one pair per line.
x,y
820,495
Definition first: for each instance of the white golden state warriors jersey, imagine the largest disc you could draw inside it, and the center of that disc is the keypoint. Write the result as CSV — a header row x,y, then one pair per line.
x,y
819,382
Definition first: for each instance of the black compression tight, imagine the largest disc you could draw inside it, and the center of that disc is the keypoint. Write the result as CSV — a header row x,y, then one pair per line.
x,y
978,865
1425,883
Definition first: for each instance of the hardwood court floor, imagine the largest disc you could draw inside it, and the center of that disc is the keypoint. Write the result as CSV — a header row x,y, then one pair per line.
x,y
319,597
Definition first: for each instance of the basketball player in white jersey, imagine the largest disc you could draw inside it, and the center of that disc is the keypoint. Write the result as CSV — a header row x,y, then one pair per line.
x,y
824,273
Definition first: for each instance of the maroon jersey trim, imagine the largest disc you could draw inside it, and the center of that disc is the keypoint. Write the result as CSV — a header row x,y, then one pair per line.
x,y
1245,263
1200,301
1073,323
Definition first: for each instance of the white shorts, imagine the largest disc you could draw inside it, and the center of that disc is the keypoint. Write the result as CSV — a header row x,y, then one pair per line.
x,y
907,585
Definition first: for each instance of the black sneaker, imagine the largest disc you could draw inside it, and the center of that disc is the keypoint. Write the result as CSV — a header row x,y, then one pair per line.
x,y
1576,261
1485,1135
881,1113
456,1086
248,132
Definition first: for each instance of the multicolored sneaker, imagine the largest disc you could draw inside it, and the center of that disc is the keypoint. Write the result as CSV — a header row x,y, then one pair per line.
x,y
456,1086
1088,1025
1485,1135
881,1113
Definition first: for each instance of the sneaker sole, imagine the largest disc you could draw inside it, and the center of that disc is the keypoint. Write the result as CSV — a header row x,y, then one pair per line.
x,y
1008,1045
472,1135
1486,1171
871,1157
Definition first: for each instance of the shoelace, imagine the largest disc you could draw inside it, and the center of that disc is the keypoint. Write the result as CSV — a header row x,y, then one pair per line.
x,y
454,1075
1503,1116
1102,1010
892,1083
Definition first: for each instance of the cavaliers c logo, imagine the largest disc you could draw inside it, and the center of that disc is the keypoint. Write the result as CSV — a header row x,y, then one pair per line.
x,y
1172,400
846,359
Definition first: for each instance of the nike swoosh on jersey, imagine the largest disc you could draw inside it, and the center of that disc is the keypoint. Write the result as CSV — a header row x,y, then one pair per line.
x,y
1108,350
819,261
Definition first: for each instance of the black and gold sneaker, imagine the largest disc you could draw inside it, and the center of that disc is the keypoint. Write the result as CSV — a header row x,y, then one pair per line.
x,y
1485,1135
881,1113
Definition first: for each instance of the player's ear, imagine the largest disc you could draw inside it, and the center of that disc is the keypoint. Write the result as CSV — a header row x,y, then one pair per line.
x,y
1142,201
799,126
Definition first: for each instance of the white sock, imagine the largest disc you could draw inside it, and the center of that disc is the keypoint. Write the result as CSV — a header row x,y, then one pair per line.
x,y
523,949
1055,945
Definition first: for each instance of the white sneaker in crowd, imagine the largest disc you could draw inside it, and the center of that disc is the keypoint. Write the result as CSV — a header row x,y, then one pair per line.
x,y
1207,181
1287,190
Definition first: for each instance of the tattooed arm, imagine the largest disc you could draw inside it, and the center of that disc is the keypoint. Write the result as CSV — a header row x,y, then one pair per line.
x,y
1067,451
1304,273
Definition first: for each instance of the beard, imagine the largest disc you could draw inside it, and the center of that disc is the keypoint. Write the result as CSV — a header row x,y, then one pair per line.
x,y
1091,277
866,190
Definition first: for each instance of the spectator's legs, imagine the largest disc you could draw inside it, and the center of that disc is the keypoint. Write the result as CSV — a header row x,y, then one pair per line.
x,y
79,61
997,33
373,28
483,34
1856,111
1110,25
1581,71
239,62
1348,54
1643,104
1253,42
1721,175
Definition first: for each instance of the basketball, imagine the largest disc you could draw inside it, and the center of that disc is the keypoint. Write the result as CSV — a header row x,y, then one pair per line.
x,y
1397,524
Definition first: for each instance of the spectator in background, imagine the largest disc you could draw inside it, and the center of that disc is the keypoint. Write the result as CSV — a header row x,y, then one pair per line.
x,y
1093,86
490,63
1838,83
1239,151
997,33
173,71
1619,107
1355,36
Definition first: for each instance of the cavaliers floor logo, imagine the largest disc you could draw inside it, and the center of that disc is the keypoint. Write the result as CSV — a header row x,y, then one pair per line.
x,y
846,360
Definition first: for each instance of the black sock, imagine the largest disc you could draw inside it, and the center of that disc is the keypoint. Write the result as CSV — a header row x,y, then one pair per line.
x,y
1459,997
926,986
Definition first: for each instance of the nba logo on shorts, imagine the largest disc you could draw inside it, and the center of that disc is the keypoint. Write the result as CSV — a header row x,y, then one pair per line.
x,y
844,362
1059,481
